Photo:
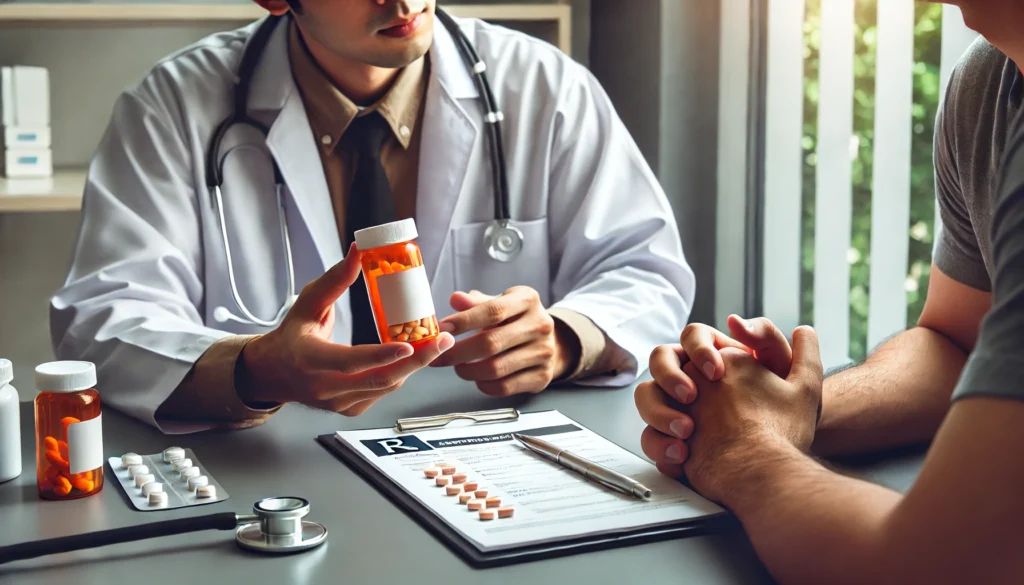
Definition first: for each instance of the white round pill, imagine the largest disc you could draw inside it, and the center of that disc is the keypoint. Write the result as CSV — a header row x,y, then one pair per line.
x,y
206,491
180,464
171,452
129,459
136,470
143,479
199,480
152,487
157,498
188,473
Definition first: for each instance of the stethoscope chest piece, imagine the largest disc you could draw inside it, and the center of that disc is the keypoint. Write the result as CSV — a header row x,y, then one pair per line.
x,y
277,526
504,241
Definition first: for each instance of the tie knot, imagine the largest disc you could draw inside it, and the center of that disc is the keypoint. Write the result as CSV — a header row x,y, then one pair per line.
x,y
369,133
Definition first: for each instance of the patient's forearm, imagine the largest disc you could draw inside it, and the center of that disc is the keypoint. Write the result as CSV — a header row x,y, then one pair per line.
x,y
810,525
896,398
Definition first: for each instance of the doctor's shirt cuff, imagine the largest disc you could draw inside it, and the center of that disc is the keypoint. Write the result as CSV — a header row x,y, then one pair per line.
x,y
597,352
208,394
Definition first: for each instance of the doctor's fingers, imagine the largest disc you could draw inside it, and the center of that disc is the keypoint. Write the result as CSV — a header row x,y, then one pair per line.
x,y
345,401
506,364
488,343
529,381
322,292
325,355
669,453
701,343
656,409
395,374
513,303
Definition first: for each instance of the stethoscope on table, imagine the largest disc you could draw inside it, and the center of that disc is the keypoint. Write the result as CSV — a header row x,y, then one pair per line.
x,y
275,526
503,240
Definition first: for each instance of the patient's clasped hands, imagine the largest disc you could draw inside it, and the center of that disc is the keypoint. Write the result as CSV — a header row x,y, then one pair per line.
x,y
715,398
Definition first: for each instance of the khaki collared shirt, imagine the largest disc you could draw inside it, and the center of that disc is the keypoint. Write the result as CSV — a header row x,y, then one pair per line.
x,y
208,393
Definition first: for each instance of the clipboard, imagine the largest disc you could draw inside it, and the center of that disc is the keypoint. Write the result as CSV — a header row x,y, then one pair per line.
x,y
481,559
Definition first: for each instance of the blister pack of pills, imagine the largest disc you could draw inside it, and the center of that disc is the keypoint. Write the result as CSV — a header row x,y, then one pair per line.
x,y
164,481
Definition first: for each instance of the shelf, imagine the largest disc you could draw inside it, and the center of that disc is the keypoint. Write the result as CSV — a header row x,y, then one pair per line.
x,y
62,192
57,12
50,14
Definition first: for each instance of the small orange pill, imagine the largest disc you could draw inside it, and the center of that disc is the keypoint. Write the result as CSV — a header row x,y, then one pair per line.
x,y
493,502
475,505
448,469
62,486
55,458
398,266
480,493
459,478
431,472
443,480
385,268
50,443
506,512
465,497
470,486
453,490
62,448
487,514
82,484
68,421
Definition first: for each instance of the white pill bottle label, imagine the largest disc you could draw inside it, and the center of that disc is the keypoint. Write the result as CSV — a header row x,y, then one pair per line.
x,y
85,445
405,296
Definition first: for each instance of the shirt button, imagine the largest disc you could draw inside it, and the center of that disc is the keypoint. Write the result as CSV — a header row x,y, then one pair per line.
x,y
404,131
326,139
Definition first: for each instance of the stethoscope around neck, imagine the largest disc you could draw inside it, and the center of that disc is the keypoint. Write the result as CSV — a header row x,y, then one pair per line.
x,y
503,241
276,526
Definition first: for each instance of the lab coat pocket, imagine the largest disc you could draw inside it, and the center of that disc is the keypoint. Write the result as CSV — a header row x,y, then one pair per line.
x,y
475,269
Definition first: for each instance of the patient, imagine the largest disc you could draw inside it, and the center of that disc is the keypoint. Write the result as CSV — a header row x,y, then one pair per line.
x,y
749,422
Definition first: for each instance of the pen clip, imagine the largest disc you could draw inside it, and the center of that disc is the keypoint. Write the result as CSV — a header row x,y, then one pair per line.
x,y
408,425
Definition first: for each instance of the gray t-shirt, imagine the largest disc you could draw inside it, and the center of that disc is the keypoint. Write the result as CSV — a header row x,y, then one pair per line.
x,y
995,366
981,103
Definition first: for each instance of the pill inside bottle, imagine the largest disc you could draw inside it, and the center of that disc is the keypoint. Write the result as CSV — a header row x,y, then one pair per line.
x,y
397,283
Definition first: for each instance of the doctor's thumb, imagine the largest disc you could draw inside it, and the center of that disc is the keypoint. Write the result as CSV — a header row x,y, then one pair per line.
x,y
320,294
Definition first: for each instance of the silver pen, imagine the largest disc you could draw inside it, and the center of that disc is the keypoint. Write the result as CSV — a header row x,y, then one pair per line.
x,y
587,469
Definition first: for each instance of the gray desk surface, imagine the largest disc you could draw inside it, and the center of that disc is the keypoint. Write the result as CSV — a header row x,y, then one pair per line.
x,y
371,541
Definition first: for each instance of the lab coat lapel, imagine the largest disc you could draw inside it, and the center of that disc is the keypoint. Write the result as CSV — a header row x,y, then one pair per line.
x,y
291,143
449,135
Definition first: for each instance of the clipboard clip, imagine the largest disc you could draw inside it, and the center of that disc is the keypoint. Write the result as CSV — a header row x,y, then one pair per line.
x,y
407,425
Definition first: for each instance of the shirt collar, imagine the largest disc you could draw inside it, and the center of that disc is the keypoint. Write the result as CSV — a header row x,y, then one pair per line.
x,y
331,111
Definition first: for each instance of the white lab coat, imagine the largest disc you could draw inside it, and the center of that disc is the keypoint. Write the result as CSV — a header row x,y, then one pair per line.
x,y
149,267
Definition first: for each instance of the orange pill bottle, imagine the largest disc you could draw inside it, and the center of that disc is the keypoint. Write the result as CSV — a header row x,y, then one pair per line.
x,y
397,283
69,431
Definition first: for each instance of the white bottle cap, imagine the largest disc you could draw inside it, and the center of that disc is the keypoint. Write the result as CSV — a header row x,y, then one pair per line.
x,y
395,232
6,372
65,376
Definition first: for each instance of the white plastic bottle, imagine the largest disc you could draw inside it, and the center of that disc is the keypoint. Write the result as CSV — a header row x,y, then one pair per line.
x,y
10,425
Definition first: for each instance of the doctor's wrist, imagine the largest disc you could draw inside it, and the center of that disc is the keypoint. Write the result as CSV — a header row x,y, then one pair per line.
x,y
247,385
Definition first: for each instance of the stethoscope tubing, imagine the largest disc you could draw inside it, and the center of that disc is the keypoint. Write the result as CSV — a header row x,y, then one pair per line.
x,y
50,546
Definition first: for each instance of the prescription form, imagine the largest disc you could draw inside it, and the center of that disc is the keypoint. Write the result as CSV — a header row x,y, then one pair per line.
x,y
551,503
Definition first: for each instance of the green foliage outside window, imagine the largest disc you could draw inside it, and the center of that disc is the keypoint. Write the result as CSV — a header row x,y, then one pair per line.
x,y
920,231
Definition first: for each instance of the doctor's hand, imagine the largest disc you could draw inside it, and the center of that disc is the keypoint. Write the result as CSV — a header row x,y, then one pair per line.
x,y
662,402
298,362
517,348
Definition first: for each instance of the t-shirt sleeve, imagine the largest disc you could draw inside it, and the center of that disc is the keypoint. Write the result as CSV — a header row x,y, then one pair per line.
x,y
957,253
995,366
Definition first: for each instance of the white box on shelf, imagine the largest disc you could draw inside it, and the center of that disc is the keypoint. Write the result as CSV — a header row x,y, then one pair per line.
x,y
28,163
19,137
25,96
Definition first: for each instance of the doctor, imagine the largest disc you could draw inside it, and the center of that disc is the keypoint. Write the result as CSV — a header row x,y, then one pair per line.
x,y
364,111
